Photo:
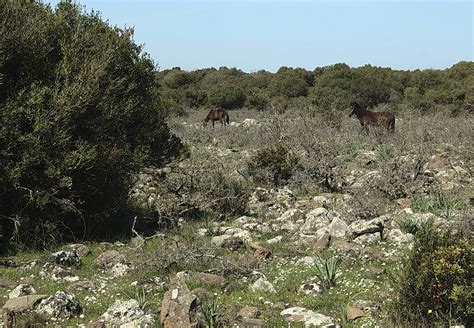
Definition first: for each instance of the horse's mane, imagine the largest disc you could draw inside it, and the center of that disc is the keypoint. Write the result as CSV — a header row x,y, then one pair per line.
x,y
359,108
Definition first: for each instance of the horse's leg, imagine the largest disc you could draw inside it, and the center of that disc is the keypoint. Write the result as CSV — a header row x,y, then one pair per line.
x,y
212,122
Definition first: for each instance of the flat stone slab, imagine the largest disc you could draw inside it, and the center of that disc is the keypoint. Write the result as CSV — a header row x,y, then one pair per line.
x,y
23,303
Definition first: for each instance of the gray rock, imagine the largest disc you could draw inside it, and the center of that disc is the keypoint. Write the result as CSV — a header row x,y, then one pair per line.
x,y
22,290
397,236
338,228
60,305
369,238
305,316
263,285
179,306
315,220
126,314
360,227
291,215
54,272
108,259
275,240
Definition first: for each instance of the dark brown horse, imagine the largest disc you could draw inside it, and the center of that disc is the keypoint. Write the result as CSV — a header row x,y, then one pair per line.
x,y
367,118
217,115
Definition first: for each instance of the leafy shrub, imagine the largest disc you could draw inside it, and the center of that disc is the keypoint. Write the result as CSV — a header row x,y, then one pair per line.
x,y
227,96
79,115
274,164
436,284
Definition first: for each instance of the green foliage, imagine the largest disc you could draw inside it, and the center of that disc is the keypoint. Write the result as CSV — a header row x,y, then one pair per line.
x,y
438,203
274,164
436,284
407,225
290,82
210,311
79,115
326,270
226,96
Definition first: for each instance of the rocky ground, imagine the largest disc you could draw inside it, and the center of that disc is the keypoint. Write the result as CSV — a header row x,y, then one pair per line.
x,y
258,268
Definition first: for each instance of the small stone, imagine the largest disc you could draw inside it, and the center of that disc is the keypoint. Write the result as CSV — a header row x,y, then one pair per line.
x,y
310,288
67,258
354,313
405,202
249,312
322,243
263,285
108,260
275,240
262,253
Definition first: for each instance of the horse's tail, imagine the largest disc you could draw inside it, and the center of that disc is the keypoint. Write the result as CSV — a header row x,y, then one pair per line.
x,y
391,124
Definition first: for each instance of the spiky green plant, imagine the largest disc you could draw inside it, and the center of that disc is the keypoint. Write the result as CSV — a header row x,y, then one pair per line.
x,y
210,310
326,270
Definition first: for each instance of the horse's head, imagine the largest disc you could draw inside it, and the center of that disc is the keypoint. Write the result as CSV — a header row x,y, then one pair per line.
x,y
353,107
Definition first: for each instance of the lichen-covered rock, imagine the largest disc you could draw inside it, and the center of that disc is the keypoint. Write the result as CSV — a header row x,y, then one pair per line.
x,y
55,272
126,314
179,306
60,305
67,258
307,317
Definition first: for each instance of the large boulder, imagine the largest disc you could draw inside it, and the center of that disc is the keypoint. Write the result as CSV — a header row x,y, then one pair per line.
x,y
23,303
179,306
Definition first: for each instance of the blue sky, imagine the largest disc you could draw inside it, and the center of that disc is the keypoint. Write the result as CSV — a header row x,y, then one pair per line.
x,y
263,34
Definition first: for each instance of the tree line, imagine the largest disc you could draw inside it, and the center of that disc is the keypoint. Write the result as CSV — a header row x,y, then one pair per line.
x,y
324,89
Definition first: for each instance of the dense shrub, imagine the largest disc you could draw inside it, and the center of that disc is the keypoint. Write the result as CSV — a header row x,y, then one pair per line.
x,y
436,284
227,96
274,164
79,113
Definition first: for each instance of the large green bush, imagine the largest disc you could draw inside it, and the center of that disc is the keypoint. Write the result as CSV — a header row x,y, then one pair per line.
x,y
227,96
436,284
79,114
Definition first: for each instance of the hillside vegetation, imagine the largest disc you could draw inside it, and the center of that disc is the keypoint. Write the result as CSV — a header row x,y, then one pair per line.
x,y
118,207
